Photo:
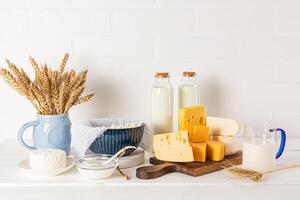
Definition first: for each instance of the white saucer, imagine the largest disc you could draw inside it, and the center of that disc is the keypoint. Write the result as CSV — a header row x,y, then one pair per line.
x,y
24,166
134,159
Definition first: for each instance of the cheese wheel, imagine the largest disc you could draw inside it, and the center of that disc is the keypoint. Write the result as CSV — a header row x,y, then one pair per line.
x,y
222,126
232,144
47,159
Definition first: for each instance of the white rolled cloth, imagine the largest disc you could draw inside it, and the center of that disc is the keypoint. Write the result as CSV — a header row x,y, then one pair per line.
x,y
85,132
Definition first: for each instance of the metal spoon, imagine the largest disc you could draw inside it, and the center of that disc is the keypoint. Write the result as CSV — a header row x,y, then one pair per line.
x,y
119,153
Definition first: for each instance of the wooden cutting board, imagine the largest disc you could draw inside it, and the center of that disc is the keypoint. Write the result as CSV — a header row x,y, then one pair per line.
x,y
161,168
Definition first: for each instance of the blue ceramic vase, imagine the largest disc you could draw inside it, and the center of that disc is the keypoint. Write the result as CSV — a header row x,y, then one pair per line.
x,y
49,131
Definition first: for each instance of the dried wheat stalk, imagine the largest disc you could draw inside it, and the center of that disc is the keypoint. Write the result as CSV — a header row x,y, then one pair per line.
x,y
252,174
52,92
83,99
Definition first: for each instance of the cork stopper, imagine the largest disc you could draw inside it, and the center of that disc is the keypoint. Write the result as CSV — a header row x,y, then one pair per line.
x,y
162,75
189,74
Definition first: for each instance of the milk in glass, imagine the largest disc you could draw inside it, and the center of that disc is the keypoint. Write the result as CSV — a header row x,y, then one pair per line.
x,y
162,104
259,155
188,94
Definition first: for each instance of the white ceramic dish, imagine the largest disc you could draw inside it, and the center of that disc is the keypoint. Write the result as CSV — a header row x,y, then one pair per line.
x,y
91,166
136,158
24,166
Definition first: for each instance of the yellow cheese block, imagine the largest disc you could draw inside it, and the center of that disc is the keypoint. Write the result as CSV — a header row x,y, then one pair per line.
x,y
215,150
199,134
190,117
173,147
199,151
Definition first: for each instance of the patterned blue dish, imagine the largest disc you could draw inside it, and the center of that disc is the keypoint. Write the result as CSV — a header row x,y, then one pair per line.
x,y
112,140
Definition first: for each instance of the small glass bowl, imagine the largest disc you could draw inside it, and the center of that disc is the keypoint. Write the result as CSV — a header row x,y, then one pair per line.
x,y
91,166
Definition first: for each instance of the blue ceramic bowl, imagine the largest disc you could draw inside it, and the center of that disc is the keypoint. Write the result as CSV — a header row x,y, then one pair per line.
x,y
112,140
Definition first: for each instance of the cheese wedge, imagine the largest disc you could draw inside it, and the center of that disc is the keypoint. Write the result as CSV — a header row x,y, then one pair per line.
x,y
174,147
232,144
199,151
190,117
221,126
215,150
199,134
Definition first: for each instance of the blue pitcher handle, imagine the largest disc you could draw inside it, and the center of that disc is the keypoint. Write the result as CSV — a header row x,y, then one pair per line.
x,y
282,142
21,131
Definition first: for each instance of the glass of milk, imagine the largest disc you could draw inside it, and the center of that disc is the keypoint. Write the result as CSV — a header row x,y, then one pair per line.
x,y
260,145
188,94
162,104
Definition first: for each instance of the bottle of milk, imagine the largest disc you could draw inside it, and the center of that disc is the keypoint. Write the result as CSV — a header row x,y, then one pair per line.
x,y
162,104
188,90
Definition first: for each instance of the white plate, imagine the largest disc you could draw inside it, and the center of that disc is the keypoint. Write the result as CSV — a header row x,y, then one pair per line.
x,y
136,158
24,166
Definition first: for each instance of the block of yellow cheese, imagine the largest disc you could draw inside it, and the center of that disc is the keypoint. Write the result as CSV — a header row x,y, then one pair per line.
x,y
190,117
215,150
199,134
199,151
173,147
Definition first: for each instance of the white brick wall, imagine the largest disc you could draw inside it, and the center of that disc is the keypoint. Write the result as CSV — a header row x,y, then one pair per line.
x,y
69,22
196,46
247,54
147,21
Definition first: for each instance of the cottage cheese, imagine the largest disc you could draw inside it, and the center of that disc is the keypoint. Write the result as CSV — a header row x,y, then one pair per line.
x,y
47,159
125,126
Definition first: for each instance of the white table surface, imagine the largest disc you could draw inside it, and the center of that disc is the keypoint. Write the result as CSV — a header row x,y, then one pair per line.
x,y
15,184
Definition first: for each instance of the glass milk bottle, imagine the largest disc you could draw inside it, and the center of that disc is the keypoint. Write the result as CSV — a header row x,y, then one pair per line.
x,y
188,90
162,104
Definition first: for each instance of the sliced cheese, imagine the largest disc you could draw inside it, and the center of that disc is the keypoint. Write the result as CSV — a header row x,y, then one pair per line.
x,y
232,144
173,147
215,150
190,117
221,126
199,134
199,151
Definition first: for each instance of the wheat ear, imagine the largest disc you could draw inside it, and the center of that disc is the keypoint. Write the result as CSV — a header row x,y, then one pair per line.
x,y
63,63
73,98
61,98
255,175
44,109
55,91
46,88
34,65
10,79
83,99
